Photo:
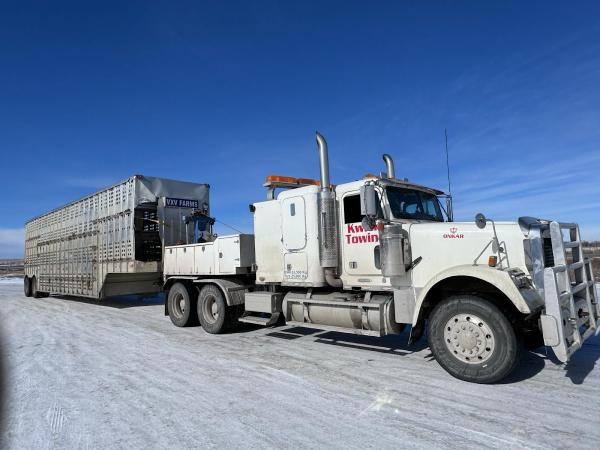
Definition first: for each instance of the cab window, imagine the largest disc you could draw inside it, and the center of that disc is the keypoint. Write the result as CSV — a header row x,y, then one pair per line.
x,y
352,208
414,204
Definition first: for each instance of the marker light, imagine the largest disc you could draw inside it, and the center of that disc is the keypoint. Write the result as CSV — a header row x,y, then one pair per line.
x,y
291,180
280,179
309,181
492,261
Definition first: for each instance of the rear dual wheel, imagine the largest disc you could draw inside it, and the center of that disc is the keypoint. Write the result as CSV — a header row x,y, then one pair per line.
x,y
472,339
186,307
181,305
33,286
214,314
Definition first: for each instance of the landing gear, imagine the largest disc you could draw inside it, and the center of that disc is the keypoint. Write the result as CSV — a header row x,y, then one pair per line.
x,y
472,339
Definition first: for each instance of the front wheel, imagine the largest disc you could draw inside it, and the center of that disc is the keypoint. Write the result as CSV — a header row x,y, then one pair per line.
x,y
472,339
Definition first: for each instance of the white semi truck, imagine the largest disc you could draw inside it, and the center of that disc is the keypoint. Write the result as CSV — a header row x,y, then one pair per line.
x,y
374,255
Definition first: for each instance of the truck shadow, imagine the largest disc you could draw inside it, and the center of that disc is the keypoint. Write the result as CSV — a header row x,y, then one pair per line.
x,y
583,361
529,366
121,302
531,363
394,344
578,368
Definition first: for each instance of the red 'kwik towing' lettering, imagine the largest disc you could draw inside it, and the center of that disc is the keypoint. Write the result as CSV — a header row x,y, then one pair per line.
x,y
356,234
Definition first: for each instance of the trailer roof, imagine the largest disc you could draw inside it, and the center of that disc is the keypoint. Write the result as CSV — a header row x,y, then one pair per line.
x,y
110,187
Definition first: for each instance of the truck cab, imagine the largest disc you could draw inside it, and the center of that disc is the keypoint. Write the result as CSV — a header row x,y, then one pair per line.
x,y
397,202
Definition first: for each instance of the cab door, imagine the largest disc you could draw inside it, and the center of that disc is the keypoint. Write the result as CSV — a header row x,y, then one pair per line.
x,y
360,247
293,213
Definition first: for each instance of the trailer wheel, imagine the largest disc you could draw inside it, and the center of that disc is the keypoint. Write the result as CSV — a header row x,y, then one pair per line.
x,y
181,304
215,317
472,339
27,286
34,289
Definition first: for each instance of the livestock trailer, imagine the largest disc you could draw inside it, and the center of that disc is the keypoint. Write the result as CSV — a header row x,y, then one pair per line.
x,y
110,242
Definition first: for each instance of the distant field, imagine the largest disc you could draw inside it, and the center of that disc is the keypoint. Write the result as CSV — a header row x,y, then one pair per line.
x,y
596,267
592,250
11,267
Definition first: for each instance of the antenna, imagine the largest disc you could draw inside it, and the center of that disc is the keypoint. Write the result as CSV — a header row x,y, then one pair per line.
x,y
447,162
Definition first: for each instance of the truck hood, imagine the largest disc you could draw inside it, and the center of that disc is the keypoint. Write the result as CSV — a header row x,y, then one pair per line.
x,y
449,244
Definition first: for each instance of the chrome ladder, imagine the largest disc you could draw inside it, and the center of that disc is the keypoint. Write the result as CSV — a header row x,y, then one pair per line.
x,y
571,313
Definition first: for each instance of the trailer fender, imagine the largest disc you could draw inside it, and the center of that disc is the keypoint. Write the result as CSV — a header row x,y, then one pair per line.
x,y
233,289
500,279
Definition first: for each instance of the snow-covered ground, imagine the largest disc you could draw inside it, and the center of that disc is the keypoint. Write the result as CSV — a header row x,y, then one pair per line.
x,y
118,375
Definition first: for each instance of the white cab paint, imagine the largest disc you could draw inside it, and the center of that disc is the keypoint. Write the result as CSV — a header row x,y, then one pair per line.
x,y
449,244
287,239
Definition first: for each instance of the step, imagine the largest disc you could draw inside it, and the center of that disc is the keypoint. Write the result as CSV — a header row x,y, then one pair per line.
x,y
572,244
568,226
576,265
565,298
333,328
262,321
581,286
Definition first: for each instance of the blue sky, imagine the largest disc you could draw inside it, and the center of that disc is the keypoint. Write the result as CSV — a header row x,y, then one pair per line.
x,y
226,93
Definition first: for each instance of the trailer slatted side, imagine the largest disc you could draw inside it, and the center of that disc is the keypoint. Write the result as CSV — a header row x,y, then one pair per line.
x,y
76,249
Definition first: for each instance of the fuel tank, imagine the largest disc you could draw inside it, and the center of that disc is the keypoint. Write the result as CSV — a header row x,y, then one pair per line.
x,y
343,310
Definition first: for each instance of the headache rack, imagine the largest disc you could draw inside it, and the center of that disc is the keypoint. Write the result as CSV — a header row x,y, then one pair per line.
x,y
571,312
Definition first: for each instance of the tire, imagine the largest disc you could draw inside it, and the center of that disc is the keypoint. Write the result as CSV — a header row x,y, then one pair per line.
x,y
27,286
214,314
181,305
34,290
472,339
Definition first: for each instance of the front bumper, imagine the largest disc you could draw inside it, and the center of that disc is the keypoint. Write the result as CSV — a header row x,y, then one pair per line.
x,y
571,312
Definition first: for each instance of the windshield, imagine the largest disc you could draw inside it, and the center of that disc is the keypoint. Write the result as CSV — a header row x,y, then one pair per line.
x,y
412,204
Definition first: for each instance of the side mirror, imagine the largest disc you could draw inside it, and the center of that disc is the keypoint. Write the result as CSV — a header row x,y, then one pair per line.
x,y
368,200
480,221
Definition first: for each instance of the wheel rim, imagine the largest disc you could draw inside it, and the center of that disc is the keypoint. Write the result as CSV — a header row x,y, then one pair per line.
x,y
469,338
178,305
210,309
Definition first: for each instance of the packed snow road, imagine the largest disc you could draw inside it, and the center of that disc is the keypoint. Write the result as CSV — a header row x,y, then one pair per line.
x,y
118,374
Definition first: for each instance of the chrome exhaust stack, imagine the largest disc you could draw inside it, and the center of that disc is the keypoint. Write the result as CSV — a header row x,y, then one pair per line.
x,y
389,163
328,256
323,162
